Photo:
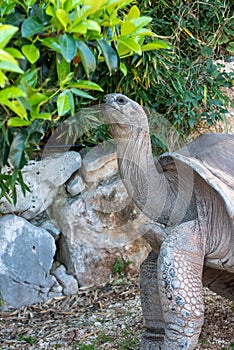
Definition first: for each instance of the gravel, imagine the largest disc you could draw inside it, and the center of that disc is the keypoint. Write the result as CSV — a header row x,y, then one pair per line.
x,y
108,317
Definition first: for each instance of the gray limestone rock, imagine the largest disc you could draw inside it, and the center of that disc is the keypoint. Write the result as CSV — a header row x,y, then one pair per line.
x,y
26,257
75,185
68,282
98,227
43,178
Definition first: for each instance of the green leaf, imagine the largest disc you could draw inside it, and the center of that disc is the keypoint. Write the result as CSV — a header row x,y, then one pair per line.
x,y
17,107
44,116
127,28
37,98
230,47
16,154
87,58
71,4
71,102
63,18
30,78
3,79
63,103
142,21
134,13
31,52
68,47
82,94
123,69
5,56
11,92
110,55
31,26
11,67
52,43
6,33
63,68
91,25
14,52
16,121
86,85
130,44
156,45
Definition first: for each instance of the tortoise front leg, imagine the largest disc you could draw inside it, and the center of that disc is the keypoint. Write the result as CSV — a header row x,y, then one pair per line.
x,y
180,286
153,337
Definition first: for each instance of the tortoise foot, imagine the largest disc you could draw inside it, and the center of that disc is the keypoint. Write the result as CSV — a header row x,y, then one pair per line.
x,y
151,341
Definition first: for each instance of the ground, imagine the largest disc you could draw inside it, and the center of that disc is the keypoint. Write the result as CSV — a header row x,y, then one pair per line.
x,y
107,318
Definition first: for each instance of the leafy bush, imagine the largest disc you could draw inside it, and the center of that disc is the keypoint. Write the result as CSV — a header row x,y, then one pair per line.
x,y
186,87
57,53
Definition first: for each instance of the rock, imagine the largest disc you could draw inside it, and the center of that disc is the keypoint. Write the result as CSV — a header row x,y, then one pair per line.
x,y
98,228
26,257
99,163
43,178
68,282
44,221
75,185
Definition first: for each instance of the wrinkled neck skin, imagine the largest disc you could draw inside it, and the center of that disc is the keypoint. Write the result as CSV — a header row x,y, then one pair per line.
x,y
144,181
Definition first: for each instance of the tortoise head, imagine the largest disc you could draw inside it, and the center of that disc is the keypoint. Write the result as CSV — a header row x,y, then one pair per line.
x,y
123,114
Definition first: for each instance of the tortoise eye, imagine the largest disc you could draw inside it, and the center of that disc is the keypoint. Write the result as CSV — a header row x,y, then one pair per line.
x,y
121,100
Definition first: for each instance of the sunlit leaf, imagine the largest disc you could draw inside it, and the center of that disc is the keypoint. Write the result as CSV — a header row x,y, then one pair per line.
x,y
31,52
91,25
14,52
127,28
11,92
44,116
11,67
142,21
37,98
130,44
123,69
6,33
134,12
156,45
16,121
63,18
5,56
63,103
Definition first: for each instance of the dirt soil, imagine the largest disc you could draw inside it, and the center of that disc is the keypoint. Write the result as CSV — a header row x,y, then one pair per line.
x,y
108,317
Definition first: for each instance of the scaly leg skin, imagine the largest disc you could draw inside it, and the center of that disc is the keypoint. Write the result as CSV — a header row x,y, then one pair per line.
x,y
151,307
180,286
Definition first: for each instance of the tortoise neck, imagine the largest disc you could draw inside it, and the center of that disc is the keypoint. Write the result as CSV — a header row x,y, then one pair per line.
x,y
142,177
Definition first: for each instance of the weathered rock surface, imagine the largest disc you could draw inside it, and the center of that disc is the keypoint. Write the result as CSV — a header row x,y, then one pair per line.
x,y
75,185
26,257
68,282
99,163
98,228
43,178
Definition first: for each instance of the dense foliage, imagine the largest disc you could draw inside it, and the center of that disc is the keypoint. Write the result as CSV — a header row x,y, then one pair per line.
x,y
52,53
57,56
